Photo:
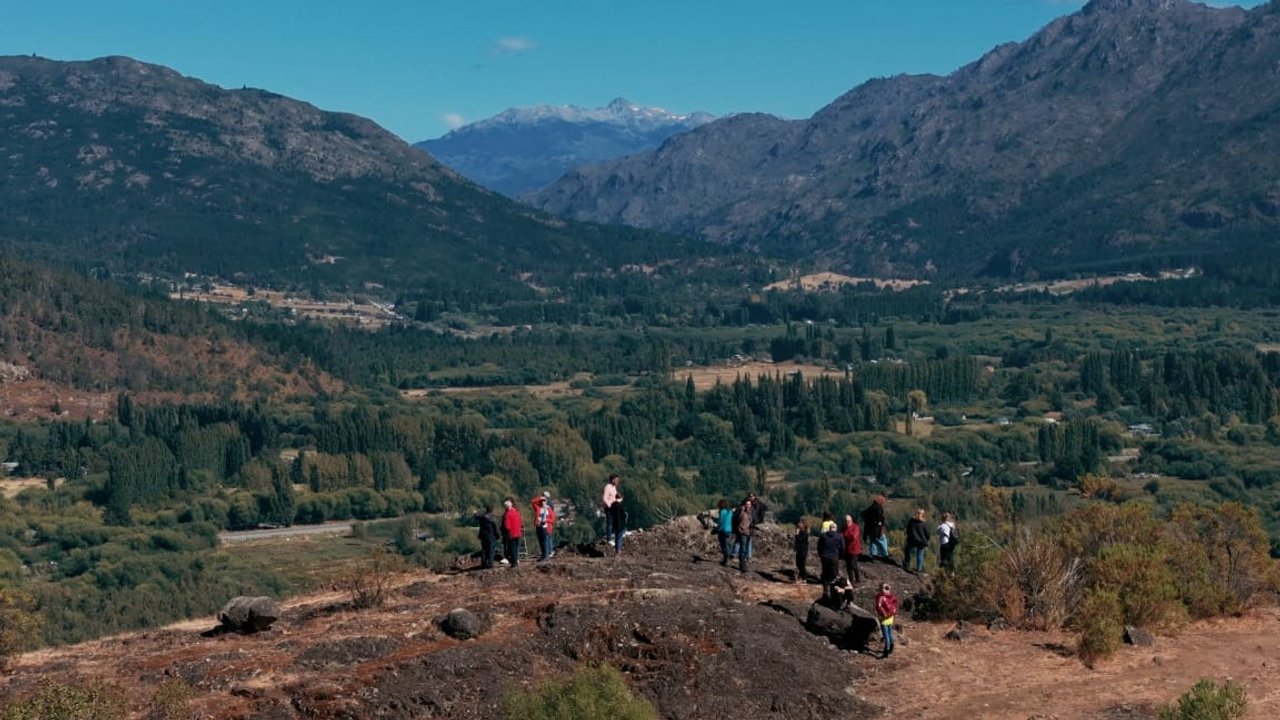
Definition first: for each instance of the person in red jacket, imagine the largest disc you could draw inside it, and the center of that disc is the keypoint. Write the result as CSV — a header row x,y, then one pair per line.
x,y
886,611
512,529
544,521
852,549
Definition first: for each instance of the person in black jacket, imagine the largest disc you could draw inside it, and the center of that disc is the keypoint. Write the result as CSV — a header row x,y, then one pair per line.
x,y
618,523
802,550
488,536
830,548
917,541
873,528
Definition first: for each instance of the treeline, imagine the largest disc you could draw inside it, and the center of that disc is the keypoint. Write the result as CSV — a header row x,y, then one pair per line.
x,y
1185,383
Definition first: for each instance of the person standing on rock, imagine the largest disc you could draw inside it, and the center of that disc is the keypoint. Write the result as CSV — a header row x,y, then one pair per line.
x,y
512,529
758,509
917,542
544,518
606,501
802,550
488,536
828,522
852,549
830,549
724,529
948,538
873,528
742,527
618,521
886,611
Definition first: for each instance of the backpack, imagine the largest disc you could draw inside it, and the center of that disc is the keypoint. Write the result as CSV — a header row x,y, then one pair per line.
x,y
955,536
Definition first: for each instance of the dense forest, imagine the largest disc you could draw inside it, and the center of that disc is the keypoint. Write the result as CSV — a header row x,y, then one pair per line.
x,y
923,395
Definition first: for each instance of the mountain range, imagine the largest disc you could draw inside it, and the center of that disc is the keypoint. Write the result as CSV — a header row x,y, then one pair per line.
x,y
524,149
135,168
1129,129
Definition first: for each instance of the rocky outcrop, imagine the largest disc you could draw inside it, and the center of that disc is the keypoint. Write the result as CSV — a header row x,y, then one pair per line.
x,y
247,615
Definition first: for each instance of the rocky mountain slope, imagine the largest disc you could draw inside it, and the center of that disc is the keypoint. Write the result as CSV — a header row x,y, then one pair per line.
x,y
1131,128
524,149
135,167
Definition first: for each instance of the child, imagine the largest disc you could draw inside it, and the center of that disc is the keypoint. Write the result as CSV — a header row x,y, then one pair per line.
x,y
886,609
802,550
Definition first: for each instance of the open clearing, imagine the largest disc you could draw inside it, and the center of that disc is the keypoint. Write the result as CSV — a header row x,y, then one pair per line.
x,y
706,377
832,282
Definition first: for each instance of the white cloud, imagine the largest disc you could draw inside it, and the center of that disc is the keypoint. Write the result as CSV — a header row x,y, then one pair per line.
x,y
453,120
512,44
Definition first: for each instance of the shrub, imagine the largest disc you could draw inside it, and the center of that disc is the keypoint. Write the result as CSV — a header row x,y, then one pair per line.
x,y
1220,556
1031,583
1143,582
1206,700
1101,627
55,701
368,583
599,692
20,624
171,701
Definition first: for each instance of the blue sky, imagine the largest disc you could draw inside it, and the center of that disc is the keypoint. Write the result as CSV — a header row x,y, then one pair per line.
x,y
420,66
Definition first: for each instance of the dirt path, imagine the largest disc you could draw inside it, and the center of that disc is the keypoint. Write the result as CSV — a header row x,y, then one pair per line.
x,y
1030,675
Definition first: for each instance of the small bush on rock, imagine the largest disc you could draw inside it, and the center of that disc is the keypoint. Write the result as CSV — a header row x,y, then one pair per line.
x,y
592,692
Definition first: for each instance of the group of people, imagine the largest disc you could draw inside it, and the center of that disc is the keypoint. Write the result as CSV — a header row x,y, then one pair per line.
x,y
874,532
736,526
509,530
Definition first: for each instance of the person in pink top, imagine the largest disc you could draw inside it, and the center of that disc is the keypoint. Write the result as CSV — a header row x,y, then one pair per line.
x,y
609,497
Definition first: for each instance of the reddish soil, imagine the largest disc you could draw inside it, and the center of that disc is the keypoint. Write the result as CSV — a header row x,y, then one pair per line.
x,y
1033,675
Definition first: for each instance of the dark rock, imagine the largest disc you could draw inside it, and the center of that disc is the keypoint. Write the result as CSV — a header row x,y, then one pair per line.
x,y
461,624
960,632
1137,636
247,615
849,628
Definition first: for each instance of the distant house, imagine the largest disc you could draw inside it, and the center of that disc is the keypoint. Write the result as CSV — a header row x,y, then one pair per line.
x,y
9,467
1143,430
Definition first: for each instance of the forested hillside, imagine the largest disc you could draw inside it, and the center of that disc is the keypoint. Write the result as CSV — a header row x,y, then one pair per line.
x,y
118,164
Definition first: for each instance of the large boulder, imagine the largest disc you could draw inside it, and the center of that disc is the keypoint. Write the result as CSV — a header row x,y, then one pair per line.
x,y
461,624
1138,637
849,628
248,615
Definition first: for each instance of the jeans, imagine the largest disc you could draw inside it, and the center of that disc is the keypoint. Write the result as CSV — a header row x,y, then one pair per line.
x,y
544,543
886,632
918,552
511,549
724,547
487,550
743,545
879,546
617,539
